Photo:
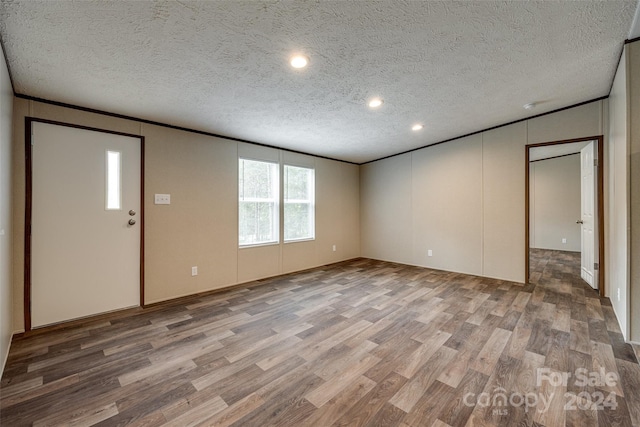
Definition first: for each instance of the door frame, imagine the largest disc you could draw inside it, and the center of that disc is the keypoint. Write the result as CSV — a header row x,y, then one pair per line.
x,y
599,208
29,206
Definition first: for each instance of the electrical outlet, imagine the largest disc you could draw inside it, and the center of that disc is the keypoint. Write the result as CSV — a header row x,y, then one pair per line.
x,y
334,248
162,199
618,294
429,252
564,240
194,271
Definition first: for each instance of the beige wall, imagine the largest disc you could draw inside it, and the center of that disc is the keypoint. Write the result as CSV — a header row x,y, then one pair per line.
x,y
6,294
617,265
554,201
447,206
199,228
466,199
634,179
385,206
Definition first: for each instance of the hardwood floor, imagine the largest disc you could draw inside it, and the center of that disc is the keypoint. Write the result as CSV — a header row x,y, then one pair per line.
x,y
359,343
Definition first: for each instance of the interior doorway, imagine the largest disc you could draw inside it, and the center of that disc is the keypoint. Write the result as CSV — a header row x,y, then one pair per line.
x,y
564,207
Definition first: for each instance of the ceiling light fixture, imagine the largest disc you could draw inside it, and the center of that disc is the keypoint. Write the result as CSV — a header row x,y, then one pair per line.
x,y
299,61
529,106
375,102
417,127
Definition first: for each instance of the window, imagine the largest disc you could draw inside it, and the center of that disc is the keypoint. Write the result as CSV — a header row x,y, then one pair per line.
x,y
258,209
113,181
299,203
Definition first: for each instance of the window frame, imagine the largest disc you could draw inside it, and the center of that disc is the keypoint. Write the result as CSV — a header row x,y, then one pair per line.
x,y
113,180
276,184
311,201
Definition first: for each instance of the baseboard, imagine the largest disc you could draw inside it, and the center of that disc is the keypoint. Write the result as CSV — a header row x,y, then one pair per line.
x,y
236,285
517,282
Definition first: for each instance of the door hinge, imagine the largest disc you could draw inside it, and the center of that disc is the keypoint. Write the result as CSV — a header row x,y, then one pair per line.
x,y
596,266
595,162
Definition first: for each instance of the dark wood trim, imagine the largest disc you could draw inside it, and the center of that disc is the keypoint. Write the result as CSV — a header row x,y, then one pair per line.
x,y
554,157
248,285
563,141
142,163
28,208
633,40
151,122
487,129
76,126
526,216
599,207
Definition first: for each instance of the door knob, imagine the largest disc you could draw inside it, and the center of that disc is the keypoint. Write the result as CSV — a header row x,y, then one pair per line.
x,y
132,212
132,222
579,221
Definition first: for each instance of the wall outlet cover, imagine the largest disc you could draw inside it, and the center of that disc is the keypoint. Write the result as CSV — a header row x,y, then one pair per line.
x,y
162,199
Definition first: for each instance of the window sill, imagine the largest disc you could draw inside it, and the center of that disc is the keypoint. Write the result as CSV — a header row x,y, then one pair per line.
x,y
258,245
309,239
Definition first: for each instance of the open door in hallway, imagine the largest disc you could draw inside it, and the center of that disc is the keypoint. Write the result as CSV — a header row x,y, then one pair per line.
x,y
564,204
587,210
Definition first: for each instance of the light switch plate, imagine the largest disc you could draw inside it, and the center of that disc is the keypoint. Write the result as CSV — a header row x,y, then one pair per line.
x,y
163,199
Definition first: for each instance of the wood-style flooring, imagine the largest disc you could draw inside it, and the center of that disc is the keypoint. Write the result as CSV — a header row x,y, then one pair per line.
x,y
359,343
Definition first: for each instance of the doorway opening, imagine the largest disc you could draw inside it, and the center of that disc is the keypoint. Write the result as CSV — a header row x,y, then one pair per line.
x,y
564,208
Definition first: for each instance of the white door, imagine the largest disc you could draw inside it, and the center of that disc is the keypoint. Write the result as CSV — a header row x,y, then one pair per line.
x,y
588,220
85,256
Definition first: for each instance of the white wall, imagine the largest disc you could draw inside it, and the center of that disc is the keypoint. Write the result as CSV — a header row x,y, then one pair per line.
x,y
554,201
6,294
464,200
617,266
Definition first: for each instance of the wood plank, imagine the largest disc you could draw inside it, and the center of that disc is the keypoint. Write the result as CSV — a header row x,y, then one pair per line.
x,y
199,414
366,342
411,392
322,394
489,354
366,409
341,403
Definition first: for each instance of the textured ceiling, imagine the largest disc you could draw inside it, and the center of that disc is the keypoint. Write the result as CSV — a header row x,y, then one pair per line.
x,y
221,66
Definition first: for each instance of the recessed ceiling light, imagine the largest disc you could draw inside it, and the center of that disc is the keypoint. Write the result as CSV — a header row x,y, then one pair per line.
x,y
529,106
417,127
299,61
375,102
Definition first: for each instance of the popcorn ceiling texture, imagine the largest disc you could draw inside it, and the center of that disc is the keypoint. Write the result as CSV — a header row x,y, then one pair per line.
x,y
222,66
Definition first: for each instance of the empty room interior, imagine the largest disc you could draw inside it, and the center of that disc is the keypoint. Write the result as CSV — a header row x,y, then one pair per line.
x,y
303,213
